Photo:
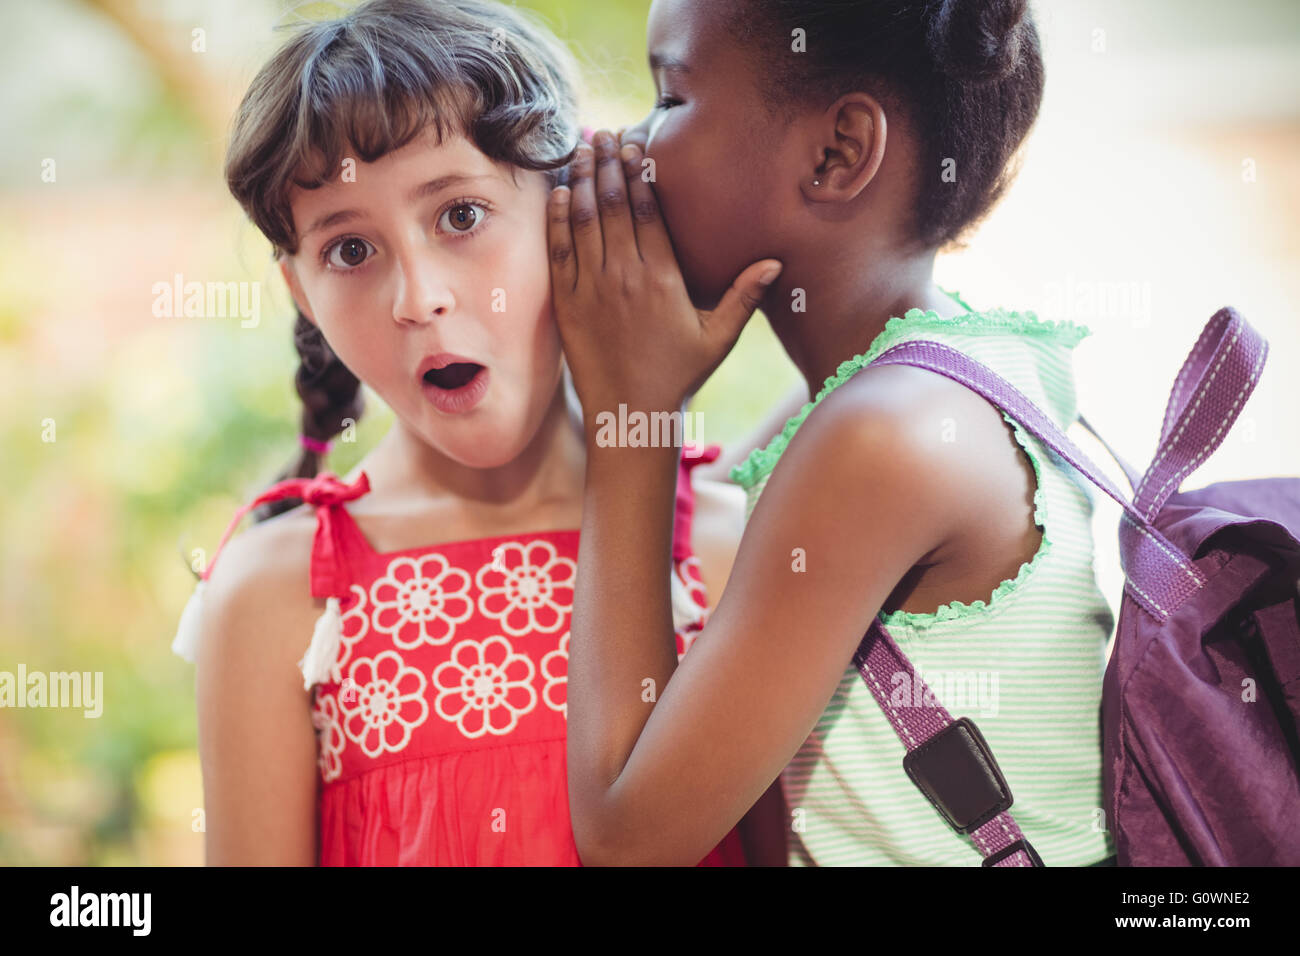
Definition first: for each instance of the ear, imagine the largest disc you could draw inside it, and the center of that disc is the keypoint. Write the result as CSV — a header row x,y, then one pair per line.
x,y
295,288
849,149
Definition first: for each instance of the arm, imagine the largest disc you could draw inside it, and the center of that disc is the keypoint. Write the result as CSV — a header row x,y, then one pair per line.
x,y
646,786
256,740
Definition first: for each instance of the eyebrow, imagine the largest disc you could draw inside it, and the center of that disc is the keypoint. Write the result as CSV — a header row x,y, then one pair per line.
x,y
422,191
659,61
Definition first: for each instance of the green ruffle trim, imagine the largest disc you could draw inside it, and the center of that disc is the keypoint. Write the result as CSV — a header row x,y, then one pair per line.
x,y
958,609
762,460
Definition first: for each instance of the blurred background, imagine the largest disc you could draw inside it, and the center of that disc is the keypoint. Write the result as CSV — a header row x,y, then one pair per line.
x,y
1161,182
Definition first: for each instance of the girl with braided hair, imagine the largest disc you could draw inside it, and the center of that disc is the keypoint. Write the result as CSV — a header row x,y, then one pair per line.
x,y
399,160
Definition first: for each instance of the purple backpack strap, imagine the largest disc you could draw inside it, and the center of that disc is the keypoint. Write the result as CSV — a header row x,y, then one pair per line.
x,y
1158,576
1208,395
948,760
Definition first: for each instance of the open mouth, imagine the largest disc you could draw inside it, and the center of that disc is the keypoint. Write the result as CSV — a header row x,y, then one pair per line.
x,y
454,376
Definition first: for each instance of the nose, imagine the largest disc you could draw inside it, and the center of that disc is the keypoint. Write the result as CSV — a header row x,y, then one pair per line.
x,y
423,292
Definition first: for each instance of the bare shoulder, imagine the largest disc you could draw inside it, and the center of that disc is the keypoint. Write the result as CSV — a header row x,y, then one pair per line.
x,y
940,450
258,594
894,437
923,418
716,529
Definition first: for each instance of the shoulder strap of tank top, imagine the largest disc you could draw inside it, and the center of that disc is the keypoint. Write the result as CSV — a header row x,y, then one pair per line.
x,y
324,492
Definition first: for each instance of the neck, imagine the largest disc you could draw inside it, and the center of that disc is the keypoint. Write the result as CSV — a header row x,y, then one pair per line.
x,y
848,299
548,473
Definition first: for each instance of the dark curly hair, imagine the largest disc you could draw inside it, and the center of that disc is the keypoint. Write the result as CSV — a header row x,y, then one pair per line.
x,y
968,74
367,84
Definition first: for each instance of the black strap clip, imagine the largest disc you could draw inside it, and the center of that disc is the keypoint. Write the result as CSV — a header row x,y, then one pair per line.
x,y
959,776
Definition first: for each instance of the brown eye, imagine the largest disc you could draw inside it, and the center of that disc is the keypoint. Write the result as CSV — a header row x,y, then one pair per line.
x,y
463,217
349,253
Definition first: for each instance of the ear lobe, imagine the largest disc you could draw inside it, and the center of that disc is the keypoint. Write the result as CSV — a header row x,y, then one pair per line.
x,y
853,152
295,289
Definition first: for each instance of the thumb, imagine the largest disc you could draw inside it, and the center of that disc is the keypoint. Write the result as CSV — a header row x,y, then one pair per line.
x,y
740,301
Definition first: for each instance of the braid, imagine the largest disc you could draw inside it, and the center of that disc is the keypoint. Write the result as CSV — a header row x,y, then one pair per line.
x,y
330,394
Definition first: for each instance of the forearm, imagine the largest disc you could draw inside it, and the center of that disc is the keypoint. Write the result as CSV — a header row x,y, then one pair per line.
x,y
622,650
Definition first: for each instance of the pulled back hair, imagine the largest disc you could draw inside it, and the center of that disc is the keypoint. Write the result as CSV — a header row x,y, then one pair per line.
x,y
367,84
968,75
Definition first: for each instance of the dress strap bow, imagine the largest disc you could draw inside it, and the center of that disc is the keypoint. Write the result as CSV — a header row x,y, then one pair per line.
x,y
321,492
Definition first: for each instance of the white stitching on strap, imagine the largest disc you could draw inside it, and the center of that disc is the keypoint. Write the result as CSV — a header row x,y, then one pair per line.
x,y
1190,569
1206,338
888,708
1129,581
1189,414
1214,439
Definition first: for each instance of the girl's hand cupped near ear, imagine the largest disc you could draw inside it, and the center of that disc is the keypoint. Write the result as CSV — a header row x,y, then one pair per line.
x,y
630,332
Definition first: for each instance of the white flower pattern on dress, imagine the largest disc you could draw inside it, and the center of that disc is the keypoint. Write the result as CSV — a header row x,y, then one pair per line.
x,y
421,600
387,705
555,671
527,588
355,626
325,718
485,687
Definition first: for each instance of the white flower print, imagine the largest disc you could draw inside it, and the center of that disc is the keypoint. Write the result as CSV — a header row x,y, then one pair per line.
x,y
325,718
383,701
484,688
555,671
421,600
527,587
355,626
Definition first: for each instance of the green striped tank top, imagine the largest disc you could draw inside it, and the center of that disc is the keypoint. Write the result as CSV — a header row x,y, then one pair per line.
x,y
1026,666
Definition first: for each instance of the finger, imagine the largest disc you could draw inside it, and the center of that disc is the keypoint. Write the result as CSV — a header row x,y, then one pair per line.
x,y
584,222
564,267
611,199
724,323
651,233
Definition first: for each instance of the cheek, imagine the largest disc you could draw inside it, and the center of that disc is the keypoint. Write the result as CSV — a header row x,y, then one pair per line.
x,y
711,205
337,308
526,329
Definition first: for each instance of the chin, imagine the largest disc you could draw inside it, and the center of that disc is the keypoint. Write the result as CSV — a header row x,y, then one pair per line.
x,y
485,446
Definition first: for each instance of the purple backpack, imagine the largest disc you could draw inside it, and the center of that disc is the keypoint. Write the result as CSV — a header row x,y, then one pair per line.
x,y
1200,714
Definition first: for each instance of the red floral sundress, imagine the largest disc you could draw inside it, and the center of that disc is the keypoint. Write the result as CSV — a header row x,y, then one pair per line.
x,y
441,726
